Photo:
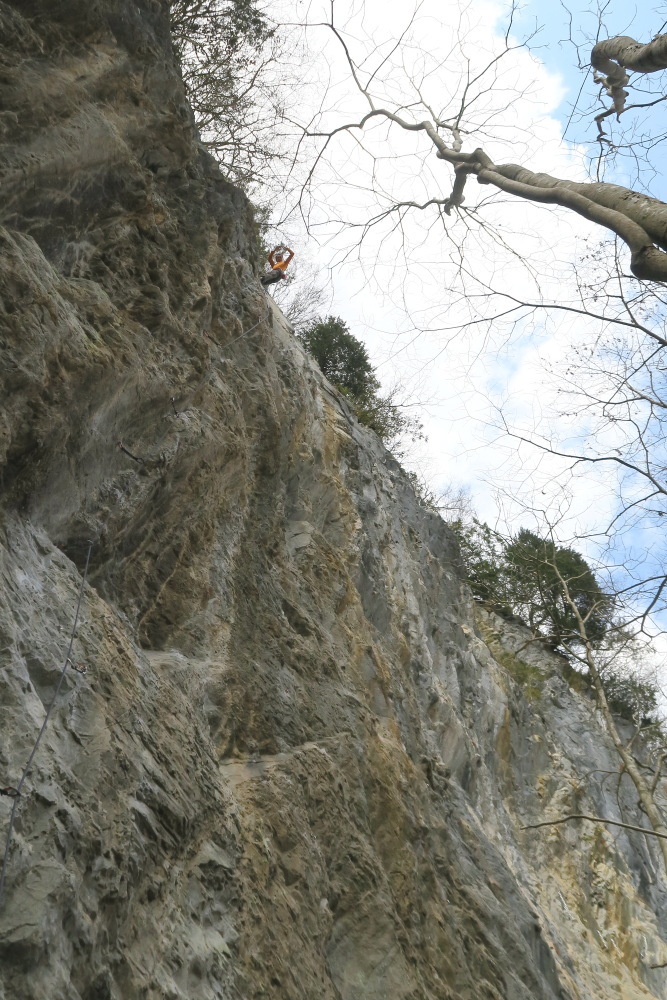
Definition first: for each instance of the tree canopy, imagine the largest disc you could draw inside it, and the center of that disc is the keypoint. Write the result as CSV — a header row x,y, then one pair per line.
x,y
344,360
341,356
538,581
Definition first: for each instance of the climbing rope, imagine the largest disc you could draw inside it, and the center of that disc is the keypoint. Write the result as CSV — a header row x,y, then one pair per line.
x,y
246,332
15,792
221,347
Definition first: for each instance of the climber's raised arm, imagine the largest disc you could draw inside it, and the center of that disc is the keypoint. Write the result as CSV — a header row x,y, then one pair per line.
x,y
278,262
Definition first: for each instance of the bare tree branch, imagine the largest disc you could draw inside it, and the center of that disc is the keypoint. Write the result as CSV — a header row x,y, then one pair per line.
x,y
595,819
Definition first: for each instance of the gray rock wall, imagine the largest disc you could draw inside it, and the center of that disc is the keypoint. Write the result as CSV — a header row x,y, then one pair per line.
x,y
298,762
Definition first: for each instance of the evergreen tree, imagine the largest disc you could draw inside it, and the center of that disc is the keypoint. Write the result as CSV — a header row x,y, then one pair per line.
x,y
531,577
341,357
345,362
543,575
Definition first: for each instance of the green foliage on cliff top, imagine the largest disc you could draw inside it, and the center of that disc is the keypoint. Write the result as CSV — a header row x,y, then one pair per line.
x,y
632,698
344,360
524,577
530,578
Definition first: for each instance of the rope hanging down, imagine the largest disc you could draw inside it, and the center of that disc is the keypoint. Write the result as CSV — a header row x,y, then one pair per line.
x,y
15,793
246,332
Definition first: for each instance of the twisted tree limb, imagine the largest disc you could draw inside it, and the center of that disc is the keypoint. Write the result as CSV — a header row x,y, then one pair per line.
x,y
639,220
610,58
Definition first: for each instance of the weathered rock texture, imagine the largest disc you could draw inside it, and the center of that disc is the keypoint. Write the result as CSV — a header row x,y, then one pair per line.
x,y
294,768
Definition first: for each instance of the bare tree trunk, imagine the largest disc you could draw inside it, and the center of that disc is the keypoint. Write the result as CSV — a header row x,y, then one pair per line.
x,y
647,212
642,786
640,221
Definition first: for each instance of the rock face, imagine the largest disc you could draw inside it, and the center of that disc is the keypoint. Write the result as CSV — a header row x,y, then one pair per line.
x,y
297,765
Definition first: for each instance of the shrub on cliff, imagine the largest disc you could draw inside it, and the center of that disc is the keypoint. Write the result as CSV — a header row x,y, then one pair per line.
x,y
553,591
341,357
344,360
225,48
635,698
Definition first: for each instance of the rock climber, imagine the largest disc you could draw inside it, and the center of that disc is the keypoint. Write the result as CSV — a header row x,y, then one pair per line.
x,y
278,263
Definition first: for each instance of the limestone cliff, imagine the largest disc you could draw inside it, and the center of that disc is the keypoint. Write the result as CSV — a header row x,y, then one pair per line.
x,y
297,766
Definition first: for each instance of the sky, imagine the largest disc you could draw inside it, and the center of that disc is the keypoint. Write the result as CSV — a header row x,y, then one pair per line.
x,y
551,17
554,46
417,294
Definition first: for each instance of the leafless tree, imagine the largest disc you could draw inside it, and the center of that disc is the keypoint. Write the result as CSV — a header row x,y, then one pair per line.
x,y
597,657
443,125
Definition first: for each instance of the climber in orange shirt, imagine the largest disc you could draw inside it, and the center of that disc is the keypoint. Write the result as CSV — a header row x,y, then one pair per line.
x,y
278,263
